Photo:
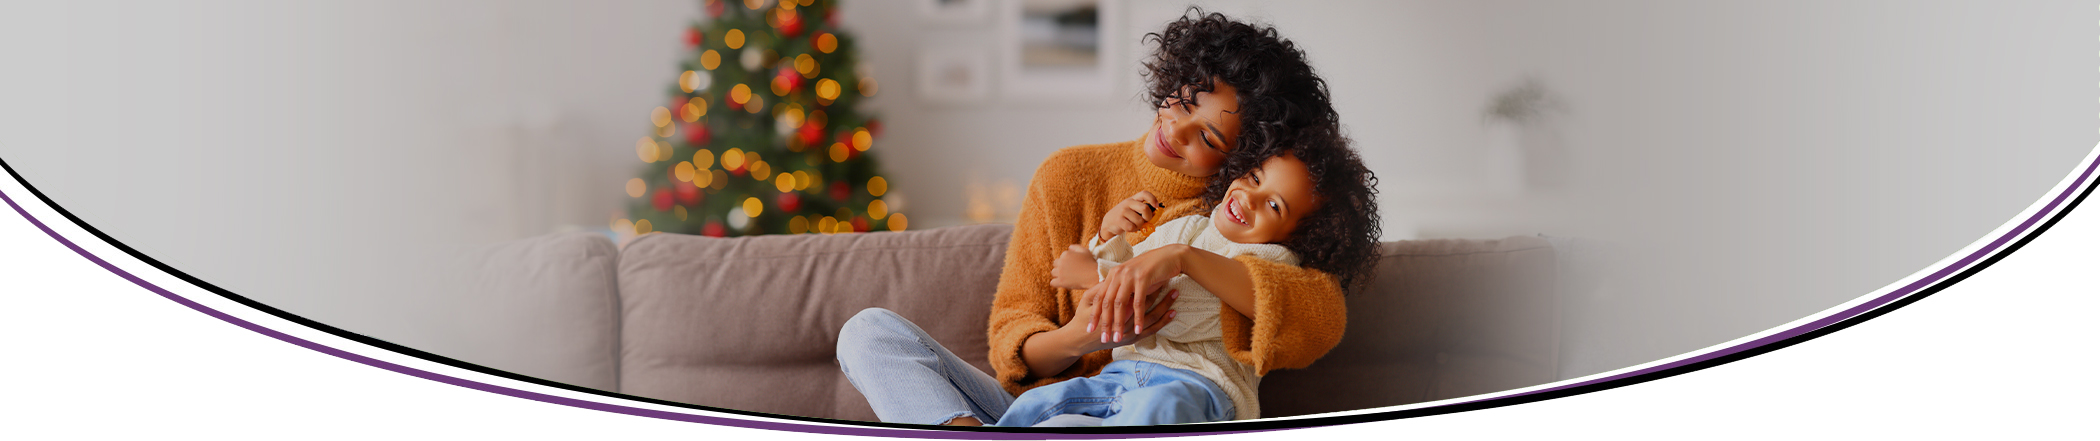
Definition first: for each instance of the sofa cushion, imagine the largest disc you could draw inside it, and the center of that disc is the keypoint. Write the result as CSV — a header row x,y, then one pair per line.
x,y
1440,319
543,307
752,323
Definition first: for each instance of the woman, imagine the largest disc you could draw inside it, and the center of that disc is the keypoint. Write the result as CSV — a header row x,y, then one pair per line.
x,y
1227,94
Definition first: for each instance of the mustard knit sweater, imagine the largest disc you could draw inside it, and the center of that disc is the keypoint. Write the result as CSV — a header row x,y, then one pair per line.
x,y
1299,312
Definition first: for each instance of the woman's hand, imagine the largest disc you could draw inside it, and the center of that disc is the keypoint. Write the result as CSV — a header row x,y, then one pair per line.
x,y
1128,215
1100,337
1126,288
1075,269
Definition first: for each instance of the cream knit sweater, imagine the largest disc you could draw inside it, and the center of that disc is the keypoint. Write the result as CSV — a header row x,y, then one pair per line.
x,y
1193,340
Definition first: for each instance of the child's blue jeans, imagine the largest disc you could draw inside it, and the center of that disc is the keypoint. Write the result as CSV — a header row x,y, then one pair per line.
x,y
909,378
1126,393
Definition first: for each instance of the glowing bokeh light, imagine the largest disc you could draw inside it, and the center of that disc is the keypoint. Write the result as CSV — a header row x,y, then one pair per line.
x,y
646,149
828,89
827,42
877,209
635,187
734,39
897,222
684,171
704,159
693,110
710,59
740,94
877,186
862,140
752,207
733,159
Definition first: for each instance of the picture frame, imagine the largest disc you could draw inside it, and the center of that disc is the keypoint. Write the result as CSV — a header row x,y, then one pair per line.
x,y
953,73
955,12
1061,50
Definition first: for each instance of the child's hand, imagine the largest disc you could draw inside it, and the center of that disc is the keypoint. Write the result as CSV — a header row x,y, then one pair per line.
x,y
1075,269
1128,215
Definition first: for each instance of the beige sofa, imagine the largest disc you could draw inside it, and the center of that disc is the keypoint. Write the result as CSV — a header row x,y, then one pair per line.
x,y
751,323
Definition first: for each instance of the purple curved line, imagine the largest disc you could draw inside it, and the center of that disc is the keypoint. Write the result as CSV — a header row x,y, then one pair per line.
x,y
1858,309
675,416
536,396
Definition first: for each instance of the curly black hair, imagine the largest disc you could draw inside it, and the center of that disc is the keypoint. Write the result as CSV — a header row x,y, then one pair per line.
x,y
1284,107
1341,236
1281,99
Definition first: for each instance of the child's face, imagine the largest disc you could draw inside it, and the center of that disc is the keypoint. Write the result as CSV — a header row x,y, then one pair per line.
x,y
1265,206
1192,137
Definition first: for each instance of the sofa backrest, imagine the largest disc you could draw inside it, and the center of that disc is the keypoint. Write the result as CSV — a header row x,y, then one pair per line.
x,y
752,323
1441,319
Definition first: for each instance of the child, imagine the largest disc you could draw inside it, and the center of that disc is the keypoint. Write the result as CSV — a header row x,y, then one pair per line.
x,y
1286,209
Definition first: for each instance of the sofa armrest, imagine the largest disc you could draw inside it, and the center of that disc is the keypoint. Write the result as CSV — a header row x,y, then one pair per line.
x,y
543,307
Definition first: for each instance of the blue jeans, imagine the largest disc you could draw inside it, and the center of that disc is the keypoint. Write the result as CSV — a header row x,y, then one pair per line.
x,y
909,378
1126,393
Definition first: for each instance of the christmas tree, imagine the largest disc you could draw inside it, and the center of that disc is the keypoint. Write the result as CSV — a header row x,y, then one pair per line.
x,y
761,135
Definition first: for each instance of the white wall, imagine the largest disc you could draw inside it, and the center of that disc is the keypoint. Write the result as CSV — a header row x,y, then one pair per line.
x,y
1757,161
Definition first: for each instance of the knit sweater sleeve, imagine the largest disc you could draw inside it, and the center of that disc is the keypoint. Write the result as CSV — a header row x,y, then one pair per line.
x,y
1298,316
1050,219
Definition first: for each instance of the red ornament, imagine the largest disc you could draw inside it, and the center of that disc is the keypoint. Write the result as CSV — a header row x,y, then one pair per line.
x,y
733,105
662,200
692,38
840,191
714,8
696,134
811,134
860,224
678,104
874,127
714,229
791,26
740,170
794,80
790,202
687,195
831,18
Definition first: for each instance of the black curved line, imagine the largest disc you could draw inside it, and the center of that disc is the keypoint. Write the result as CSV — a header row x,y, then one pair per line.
x,y
1238,427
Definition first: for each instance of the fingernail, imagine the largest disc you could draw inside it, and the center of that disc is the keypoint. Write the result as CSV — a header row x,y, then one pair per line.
x,y
1119,335
1089,327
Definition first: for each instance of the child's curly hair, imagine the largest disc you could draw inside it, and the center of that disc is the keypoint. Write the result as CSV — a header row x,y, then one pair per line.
x,y
1284,106
1341,236
1281,99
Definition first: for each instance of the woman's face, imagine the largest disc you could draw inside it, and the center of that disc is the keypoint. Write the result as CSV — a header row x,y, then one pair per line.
x,y
1192,136
1266,205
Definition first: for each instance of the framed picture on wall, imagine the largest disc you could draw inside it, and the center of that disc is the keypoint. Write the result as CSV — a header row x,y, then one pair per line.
x,y
1061,50
953,73
958,12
